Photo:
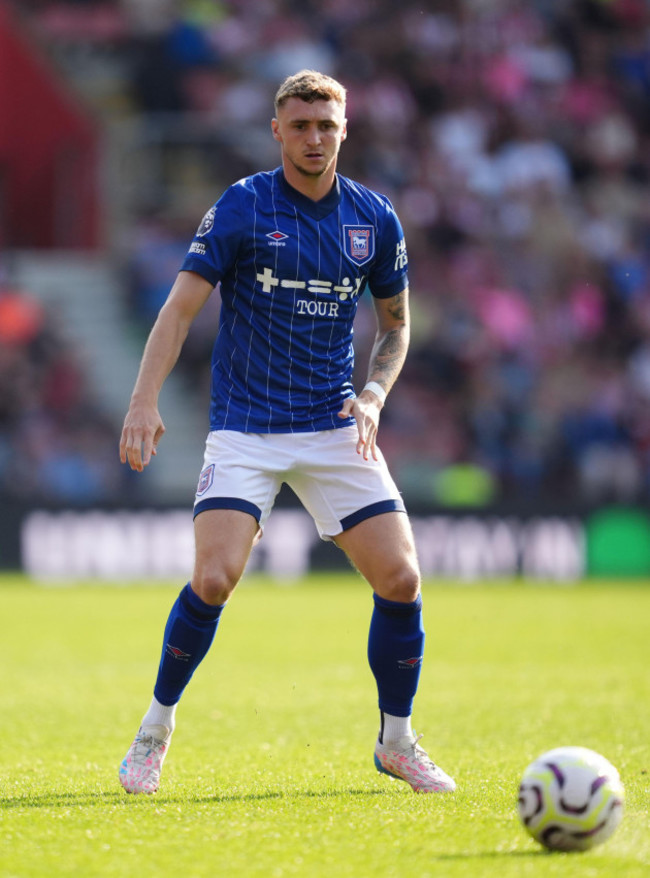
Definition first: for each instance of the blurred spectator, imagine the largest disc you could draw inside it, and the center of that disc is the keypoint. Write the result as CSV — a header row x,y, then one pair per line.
x,y
55,442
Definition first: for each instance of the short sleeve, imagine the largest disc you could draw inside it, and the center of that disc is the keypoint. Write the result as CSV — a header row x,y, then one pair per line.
x,y
390,271
216,242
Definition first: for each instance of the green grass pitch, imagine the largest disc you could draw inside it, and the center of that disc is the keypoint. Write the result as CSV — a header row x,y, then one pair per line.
x,y
270,772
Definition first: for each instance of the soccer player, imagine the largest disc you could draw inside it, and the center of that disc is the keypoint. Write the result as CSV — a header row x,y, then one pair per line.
x,y
293,249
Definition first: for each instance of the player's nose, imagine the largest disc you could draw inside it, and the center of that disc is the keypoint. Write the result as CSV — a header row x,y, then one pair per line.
x,y
313,135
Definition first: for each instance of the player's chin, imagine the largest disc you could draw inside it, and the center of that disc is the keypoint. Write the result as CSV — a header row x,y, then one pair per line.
x,y
314,166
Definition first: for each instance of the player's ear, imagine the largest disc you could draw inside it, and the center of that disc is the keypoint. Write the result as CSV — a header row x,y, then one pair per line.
x,y
275,128
344,133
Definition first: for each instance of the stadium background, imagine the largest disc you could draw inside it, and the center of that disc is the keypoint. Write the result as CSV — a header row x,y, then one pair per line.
x,y
514,140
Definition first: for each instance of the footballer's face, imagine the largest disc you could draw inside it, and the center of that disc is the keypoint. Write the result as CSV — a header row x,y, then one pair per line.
x,y
310,135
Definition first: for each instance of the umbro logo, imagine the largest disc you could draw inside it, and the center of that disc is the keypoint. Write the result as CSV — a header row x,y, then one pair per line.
x,y
276,238
177,653
410,663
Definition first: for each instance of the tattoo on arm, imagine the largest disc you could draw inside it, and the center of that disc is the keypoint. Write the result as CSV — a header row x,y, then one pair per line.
x,y
389,352
396,307
389,357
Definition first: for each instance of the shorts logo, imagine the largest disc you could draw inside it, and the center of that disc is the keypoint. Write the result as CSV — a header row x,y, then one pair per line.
x,y
359,243
410,664
205,480
206,223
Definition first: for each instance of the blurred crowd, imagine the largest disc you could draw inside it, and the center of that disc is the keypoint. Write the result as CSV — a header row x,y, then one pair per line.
x,y
56,442
513,137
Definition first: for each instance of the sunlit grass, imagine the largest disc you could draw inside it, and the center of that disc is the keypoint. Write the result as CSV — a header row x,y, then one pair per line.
x,y
270,771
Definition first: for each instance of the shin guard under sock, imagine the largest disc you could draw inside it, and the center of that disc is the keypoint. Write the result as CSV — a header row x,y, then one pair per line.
x,y
189,633
395,650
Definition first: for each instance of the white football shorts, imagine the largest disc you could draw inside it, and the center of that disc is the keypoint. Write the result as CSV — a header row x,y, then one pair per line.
x,y
336,485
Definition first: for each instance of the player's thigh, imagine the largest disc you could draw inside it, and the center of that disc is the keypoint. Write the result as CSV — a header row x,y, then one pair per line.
x,y
337,486
223,542
382,549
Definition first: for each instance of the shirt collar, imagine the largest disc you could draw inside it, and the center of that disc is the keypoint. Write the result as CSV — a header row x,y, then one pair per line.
x,y
316,209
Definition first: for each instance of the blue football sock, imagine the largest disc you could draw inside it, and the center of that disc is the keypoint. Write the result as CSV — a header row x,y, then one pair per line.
x,y
395,650
189,633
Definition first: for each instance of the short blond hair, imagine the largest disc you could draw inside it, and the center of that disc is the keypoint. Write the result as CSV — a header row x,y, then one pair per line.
x,y
310,86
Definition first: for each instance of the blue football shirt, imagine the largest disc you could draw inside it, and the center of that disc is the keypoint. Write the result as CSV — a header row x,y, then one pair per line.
x,y
291,272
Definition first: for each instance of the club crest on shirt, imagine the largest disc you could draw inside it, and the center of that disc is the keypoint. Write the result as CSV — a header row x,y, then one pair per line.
x,y
206,223
359,243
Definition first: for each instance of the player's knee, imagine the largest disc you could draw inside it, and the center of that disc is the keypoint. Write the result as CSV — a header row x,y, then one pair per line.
x,y
213,585
401,585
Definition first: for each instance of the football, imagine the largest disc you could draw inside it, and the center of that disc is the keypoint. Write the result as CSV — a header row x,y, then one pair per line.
x,y
570,799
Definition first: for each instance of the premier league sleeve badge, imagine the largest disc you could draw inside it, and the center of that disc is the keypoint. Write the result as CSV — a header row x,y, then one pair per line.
x,y
206,223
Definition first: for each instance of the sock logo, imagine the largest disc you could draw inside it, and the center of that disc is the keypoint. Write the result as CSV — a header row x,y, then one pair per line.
x,y
411,663
177,653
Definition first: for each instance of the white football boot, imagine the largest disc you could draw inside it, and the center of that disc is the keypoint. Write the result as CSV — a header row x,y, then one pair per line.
x,y
140,768
407,761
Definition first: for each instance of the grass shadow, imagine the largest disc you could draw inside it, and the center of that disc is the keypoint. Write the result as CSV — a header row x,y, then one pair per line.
x,y
493,855
291,794
117,797
59,800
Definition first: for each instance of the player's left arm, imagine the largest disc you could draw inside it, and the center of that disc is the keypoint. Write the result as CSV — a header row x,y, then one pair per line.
x,y
386,361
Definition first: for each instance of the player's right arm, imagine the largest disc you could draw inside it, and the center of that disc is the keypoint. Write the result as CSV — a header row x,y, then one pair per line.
x,y
143,426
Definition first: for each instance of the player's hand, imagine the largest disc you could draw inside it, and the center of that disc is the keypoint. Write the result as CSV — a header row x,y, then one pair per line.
x,y
365,410
143,429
